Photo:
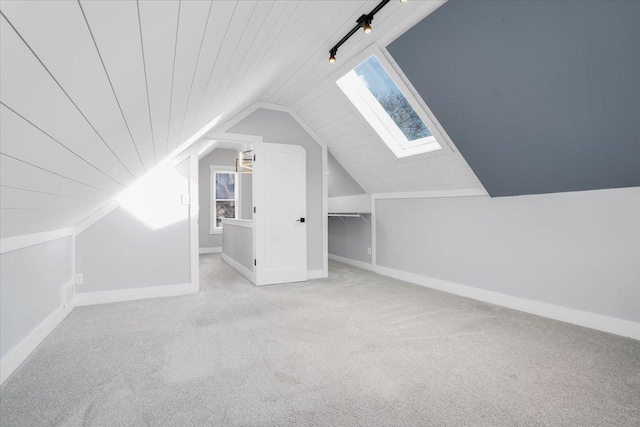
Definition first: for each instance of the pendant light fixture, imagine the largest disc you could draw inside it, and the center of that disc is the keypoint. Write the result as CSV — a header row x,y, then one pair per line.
x,y
244,162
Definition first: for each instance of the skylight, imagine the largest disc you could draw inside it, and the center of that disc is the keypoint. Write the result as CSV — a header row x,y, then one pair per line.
x,y
390,112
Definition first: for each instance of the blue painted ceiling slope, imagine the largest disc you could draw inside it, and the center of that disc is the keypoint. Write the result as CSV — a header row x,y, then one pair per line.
x,y
539,97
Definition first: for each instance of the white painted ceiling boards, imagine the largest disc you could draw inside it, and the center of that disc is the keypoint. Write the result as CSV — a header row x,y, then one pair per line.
x,y
96,93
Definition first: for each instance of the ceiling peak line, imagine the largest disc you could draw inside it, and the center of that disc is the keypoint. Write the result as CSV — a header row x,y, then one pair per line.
x,y
322,77
226,91
146,85
106,73
309,46
66,94
224,73
61,144
55,173
195,70
275,43
267,52
269,89
215,63
281,97
294,27
298,23
173,74
320,19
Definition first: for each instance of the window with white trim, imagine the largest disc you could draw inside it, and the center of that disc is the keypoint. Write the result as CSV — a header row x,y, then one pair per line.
x,y
224,196
395,115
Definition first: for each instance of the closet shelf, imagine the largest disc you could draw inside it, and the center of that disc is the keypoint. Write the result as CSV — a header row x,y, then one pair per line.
x,y
349,215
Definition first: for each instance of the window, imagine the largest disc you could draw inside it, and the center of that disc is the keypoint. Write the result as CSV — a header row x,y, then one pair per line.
x,y
392,112
224,196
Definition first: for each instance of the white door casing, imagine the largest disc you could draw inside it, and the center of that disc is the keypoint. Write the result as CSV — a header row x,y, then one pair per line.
x,y
280,200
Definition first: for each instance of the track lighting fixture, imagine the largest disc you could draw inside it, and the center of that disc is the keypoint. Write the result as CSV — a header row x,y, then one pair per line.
x,y
363,22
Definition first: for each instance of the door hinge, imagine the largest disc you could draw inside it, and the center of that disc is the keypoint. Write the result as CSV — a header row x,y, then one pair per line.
x,y
254,209
255,262
254,157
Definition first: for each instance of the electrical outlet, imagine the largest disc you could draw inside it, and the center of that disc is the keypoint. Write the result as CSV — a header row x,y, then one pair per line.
x,y
368,251
79,279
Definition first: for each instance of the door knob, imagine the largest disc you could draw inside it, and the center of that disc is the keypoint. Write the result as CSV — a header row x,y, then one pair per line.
x,y
300,220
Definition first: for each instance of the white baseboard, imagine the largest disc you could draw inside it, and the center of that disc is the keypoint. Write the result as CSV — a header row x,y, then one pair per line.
x,y
317,274
353,262
599,322
210,250
612,325
93,298
12,360
240,268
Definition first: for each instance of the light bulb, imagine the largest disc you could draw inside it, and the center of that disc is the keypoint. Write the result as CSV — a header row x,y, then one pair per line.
x,y
332,58
367,25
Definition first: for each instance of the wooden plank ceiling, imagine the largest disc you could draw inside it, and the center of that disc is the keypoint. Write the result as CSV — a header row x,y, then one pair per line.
x,y
312,92
95,93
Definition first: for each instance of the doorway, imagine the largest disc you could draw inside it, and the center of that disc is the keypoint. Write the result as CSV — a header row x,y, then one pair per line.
x,y
252,208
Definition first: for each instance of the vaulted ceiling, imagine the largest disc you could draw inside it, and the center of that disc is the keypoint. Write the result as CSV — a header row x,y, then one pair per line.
x,y
96,93
312,92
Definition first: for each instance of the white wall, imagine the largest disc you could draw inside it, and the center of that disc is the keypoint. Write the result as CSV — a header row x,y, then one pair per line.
x,y
30,288
219,157
238,245
577,250
246,183
340,183
279,127
122,251
350,238
119,252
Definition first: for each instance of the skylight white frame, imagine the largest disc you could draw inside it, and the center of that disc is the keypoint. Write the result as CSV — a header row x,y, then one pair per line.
x,y
377,117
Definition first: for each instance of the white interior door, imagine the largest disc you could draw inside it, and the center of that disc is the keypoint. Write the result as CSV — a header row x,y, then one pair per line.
x,y
280,201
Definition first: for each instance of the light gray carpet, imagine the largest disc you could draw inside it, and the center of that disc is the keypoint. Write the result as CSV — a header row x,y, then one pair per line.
x,y
354,349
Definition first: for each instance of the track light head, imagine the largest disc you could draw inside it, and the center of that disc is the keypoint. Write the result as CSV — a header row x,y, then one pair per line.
x,y
364,22
404,1
367,25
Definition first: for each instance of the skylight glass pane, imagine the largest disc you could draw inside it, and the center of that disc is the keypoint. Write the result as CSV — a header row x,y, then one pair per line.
x,y
391,98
